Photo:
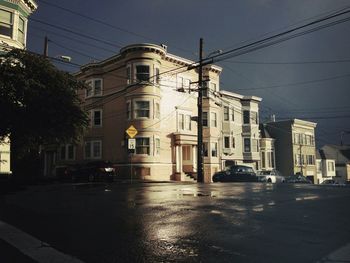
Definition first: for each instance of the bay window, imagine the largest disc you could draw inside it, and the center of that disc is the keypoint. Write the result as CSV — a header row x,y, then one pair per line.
x,y
142,109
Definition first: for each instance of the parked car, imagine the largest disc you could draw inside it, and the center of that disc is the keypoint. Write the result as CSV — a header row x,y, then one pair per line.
x,y
298,179
236,173
272,176
91,171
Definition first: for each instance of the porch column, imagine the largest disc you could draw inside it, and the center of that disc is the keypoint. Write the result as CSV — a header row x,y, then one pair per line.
x,y
178,150
194,157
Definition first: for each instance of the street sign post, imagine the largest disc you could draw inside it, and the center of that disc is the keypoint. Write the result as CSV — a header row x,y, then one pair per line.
x,y
131,132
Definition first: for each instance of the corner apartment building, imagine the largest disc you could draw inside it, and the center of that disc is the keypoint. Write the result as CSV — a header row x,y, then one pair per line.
x,y
294,147
325,166
13,34
341,155
153,90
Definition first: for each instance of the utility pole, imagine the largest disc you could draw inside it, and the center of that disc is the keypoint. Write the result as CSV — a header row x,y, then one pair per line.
x,y
46,47
200,173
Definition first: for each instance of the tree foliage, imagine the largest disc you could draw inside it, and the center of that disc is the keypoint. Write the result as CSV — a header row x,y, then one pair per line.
x,y
38,103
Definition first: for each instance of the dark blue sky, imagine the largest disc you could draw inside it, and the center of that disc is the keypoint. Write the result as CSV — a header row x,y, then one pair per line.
x,y
223,24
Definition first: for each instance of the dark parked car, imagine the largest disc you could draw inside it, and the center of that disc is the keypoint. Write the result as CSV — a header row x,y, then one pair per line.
x,y
236,173
90,171
297,179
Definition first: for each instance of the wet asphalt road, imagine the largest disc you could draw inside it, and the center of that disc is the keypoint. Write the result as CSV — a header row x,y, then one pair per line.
x,y
174,222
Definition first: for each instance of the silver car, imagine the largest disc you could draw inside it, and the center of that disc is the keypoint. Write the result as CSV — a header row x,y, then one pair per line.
x,y
271,176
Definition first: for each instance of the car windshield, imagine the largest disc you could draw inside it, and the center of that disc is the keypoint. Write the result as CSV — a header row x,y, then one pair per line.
x,y
264,173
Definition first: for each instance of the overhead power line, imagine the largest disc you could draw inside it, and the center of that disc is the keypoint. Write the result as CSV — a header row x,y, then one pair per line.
x,y
108,24
265,42
298,83
76,33
288,63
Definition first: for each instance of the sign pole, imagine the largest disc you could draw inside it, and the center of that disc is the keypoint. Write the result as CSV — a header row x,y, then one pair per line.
x,y
131,132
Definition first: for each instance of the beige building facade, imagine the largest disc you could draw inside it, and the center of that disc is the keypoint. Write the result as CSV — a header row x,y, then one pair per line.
x,y
153,90
295,147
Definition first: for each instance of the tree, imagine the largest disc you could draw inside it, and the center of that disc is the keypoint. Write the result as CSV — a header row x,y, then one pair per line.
x,y
39,104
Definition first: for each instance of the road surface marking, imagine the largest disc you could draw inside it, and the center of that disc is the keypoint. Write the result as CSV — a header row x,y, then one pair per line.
x,y
32,247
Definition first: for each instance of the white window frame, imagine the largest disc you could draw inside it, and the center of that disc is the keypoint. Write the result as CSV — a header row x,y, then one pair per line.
x,y
92,114
213,119
11,25
214,149
148,147
156,146
128,110
91,154
149,71
128,74
156,110
65,148
244,145
226,113
135,109
205,119
21,31
92,87
227,142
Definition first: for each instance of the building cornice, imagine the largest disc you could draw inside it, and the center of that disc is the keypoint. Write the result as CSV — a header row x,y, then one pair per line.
x,y
147,47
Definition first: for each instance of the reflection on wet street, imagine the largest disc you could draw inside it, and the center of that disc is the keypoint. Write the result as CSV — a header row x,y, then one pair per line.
x,y
171,222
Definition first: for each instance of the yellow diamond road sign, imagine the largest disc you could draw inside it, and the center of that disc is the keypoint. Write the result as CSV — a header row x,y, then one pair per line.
x,y
131,131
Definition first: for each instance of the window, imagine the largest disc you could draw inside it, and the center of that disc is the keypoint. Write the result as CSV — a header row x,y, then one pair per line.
x,y
142,73
157,142
157,110
205,149
310,159
6,23
213,121
141,109
331,166
298,159
96,118
233,114
94,88
233,142
226,142
21,27
186,152
142,146
213,87
181,121
157,75
214,149
246,117
67,152
204,87
186,84
226,113
246,145
263,161
188,122
93,149
272,160
128,75
254,117
296,138
205,119
268,155
128,110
